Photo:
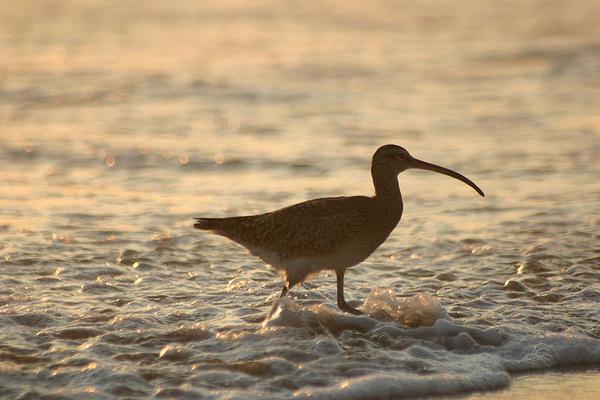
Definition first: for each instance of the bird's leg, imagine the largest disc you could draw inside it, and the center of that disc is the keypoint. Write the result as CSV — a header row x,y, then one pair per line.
x,y
340,295
284,291
274,306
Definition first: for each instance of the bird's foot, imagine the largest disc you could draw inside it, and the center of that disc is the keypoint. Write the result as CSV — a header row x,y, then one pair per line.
x,y
347,308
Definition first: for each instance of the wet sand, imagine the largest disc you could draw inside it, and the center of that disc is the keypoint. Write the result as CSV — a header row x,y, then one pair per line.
x,y
572,384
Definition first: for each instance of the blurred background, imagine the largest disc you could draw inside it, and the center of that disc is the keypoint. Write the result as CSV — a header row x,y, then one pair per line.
x,y
193,105
122,120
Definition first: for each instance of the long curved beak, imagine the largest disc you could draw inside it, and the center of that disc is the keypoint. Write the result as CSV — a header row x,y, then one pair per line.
x,y
436,168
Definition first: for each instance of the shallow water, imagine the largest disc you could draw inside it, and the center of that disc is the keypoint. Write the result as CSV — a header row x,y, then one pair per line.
x,y
121,123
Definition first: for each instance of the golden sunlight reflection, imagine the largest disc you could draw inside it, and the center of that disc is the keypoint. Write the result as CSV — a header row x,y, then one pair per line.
x,y
110,161
219,159
122,122
184,159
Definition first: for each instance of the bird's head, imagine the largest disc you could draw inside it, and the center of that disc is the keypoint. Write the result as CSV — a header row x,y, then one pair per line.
x,y
396,159
392,158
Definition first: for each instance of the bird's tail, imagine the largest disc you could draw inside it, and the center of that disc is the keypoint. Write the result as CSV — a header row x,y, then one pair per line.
x,y
215,224
207,223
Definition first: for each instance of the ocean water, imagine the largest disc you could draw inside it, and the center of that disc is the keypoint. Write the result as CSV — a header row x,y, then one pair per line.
x,y
121,121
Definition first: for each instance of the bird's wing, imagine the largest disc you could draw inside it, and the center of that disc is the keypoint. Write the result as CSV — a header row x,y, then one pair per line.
x,y
310,228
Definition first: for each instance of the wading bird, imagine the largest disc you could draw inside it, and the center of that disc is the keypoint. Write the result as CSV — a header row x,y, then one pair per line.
x,y
333,233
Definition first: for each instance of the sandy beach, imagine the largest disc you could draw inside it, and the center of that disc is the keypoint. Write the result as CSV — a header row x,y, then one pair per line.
x,y
573,384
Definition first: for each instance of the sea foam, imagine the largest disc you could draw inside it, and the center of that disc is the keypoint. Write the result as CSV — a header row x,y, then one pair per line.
x,y
419,310
428,352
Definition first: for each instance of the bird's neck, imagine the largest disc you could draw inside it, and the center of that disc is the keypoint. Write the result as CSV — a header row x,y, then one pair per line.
x,y
387,190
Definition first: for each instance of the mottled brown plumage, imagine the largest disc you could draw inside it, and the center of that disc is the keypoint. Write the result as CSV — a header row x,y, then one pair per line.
x,y
330,233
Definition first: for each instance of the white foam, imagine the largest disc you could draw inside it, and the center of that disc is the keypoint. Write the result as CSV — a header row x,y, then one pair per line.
x,y
422,309
389,386
436,357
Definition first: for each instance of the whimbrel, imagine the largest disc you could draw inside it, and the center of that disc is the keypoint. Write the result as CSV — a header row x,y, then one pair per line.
x,y
333,233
